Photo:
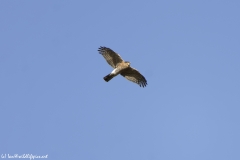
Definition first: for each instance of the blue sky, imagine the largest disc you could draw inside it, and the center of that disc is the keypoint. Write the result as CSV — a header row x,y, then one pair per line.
x,y
54,100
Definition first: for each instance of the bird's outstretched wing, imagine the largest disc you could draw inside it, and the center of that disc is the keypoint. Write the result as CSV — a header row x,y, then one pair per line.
x,y
133,75
111,57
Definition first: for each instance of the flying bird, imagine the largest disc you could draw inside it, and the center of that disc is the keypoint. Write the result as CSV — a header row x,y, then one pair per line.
x,y
121,67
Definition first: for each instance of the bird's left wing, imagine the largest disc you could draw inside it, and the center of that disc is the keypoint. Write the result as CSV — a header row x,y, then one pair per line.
x,y
111,57
135,76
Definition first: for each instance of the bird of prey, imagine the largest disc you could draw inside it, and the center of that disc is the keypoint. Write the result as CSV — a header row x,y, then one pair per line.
x,y
121,67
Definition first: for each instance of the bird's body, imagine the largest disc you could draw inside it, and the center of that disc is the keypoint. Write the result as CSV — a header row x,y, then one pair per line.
x,y
121,67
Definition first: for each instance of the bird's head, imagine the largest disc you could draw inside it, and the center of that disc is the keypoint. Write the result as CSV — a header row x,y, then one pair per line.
x,y
128,63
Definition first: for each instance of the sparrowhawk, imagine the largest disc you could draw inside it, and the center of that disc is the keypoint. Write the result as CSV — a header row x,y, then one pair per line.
x,y
121,67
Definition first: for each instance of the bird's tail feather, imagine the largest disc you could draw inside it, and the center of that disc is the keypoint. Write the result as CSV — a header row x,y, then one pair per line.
x,y
108,77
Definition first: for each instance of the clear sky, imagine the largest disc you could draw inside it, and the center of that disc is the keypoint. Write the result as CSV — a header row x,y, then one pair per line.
x,y
54,100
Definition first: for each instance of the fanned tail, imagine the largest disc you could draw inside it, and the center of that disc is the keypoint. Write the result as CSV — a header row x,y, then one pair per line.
x,y
108,77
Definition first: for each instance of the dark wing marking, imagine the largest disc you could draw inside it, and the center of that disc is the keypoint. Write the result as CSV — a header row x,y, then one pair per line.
x,y
133,75
111,57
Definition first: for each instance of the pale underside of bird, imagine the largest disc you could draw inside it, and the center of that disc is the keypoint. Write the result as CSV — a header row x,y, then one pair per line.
x,y
121,67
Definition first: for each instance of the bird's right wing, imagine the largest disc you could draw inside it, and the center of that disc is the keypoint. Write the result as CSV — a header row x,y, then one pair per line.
x,y
111,57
